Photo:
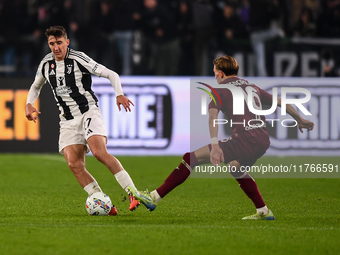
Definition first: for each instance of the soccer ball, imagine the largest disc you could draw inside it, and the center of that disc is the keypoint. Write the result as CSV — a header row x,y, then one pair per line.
x,y
98,204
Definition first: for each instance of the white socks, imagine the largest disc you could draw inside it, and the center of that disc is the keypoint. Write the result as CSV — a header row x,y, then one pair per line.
x,y
124,180
92,187
155,196
122,177
262,211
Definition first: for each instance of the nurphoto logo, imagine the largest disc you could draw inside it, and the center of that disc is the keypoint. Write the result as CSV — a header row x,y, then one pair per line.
x,y
251,98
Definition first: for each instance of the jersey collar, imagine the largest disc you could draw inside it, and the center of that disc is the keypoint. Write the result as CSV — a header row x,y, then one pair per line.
x,y
229,80
68,52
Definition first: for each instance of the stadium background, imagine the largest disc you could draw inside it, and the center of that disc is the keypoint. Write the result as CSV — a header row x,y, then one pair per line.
x,y
123,35
42,208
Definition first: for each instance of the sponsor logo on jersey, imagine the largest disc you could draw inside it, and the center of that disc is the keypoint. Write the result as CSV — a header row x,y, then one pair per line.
x,y
60,81
63,90
52,73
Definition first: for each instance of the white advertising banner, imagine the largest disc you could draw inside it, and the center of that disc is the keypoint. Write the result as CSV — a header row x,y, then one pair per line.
x,y
324,106
159,123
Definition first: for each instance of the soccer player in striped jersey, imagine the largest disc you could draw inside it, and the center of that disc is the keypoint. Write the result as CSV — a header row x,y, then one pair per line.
x,y
242,149
68,72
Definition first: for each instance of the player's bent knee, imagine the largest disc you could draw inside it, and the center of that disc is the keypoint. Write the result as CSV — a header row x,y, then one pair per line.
x,y
235,164
235,169
100,155
190,159
75,166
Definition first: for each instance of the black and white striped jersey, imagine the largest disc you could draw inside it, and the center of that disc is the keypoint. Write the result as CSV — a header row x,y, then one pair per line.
x,y
70,80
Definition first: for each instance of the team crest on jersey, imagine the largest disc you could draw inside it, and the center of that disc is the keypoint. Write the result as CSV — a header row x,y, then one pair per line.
x,y
69,68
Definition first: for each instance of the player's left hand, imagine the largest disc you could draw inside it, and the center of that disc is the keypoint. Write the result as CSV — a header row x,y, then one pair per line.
x,y
305,124
125,102
216,155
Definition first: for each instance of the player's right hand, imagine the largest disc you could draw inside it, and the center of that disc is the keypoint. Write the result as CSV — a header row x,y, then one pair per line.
x,y
306,124
216,155
30,110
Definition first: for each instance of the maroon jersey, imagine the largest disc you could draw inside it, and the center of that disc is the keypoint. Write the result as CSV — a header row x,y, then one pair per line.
x,y
249,121
250,140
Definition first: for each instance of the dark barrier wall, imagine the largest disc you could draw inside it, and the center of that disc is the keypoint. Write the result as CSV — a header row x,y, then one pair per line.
x,y
17,134
294,57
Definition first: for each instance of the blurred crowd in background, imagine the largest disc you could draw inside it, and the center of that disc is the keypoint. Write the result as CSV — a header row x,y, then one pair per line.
x,y
157,37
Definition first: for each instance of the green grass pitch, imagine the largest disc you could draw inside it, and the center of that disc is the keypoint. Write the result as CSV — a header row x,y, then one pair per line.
x,y
42,211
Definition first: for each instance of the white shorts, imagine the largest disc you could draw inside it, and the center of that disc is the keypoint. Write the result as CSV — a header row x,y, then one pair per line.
x,y
79,129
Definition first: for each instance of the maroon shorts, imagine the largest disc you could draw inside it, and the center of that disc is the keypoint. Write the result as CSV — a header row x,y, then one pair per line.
x,y
245,147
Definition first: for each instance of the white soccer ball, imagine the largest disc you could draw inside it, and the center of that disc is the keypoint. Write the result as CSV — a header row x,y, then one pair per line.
x,y
98,204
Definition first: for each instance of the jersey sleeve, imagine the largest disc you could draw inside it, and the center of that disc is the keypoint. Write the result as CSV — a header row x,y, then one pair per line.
x,y
214,101
114,79
91,66
99,70
37,85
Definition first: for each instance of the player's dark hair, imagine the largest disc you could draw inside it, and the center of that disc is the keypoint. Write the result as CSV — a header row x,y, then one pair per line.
x,y
56,31
227,64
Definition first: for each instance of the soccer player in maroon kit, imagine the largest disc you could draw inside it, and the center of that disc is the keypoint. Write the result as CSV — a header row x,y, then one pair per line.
x,y
242,149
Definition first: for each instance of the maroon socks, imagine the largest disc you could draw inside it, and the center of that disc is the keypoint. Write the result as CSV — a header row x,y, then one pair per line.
x,y
249,186
179,175
189,161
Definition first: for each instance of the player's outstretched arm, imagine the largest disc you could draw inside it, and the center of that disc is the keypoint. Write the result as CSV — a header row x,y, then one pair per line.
x,y
115,82
30,110
302,123
125,102
33,94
